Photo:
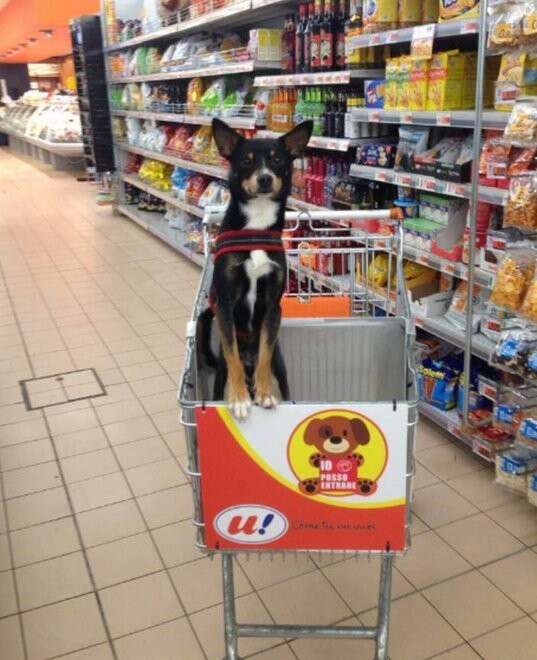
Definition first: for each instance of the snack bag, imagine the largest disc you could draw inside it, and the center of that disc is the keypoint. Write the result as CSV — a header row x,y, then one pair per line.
x,y
437,383
522,125
514,350
194,93
514,276
212,100
529,306
453,10
457,308
412,140
505,26
521,209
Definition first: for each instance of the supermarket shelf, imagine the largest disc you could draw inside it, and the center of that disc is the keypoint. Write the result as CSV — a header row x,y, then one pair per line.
x,y
455,268
456,118
429,183
204,120
238,13
440,327
332,144
65,149
404,35
166,197
320,78
209,170
155,224
224,69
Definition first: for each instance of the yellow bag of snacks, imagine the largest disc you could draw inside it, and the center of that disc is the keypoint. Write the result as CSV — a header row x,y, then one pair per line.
x,y
522,125
455,10
529,306
521,209
514,276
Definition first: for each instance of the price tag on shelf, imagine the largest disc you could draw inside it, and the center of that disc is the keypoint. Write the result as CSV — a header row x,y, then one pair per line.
x,y
419,322
373,116
447,268
443,119
421,45
406,118
469,27
405,180
423,259
429,184
375,39
381,176
456,189
392,37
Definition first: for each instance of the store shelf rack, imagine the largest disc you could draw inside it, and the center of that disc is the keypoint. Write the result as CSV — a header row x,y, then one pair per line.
x,y
320,78
491,119
181,118
317,142
166,197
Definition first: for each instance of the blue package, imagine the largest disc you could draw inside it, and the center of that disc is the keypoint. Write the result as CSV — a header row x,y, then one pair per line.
x,y
374,93
437,383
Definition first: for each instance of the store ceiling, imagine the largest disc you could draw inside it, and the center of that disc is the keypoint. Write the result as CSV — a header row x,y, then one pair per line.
x,y
36,30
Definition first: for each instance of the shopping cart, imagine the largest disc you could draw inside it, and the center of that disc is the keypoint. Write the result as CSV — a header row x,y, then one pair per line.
x,y
277,482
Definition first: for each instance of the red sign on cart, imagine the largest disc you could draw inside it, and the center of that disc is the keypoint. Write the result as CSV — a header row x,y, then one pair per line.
x,y
305,477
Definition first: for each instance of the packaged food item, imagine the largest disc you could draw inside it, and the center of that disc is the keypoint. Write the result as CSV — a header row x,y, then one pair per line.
x,y
513,467
419,83
179,180
201,143
194,93
211,195
514,276
437,381
455,10
527,432
212,100
529,23
429,11
521,161
379,15
514,351
521,208
180,142
446,81
457,308
412,140
392,84
374,93
529,306
522,125
409,12
195,186
505,26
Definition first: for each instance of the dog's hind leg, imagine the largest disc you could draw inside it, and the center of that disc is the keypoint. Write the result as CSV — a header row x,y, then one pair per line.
x,y
220,378
267,341
280,372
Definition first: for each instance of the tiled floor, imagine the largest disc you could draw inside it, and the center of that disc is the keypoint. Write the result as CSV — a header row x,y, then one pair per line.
x,y
97,559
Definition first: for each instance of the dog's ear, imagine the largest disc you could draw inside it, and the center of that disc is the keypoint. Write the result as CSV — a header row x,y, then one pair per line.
x,y
311,434
297,139
360,431
227,140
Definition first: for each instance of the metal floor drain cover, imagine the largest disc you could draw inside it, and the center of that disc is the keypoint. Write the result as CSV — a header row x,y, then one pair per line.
x,y
61,388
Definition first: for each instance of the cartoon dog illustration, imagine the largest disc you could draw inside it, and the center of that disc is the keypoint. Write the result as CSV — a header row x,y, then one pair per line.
x,y
337,440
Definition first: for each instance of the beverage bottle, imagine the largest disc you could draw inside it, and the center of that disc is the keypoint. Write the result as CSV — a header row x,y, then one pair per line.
x,y
318,113
339,120
288,44
315,45
327,37
299,37
320,177
308,28
299,107
340,57
308,179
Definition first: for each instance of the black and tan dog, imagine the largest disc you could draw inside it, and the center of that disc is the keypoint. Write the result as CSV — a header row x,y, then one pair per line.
x,y
250,271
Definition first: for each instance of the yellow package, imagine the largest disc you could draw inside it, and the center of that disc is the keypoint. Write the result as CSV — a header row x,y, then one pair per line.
x,y
429,11
391,86
377,271
469,81
403,83
419,83
456,10
409,13
268,44
445,81
380,15
518,68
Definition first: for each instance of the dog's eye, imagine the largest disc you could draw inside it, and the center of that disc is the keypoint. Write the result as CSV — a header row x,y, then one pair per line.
x,y
246,161
277,159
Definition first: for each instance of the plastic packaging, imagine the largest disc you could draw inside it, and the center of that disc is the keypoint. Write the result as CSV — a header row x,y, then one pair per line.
x,y
514,276
521,209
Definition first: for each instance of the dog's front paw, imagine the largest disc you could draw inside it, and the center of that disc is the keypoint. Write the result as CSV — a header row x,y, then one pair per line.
x,y
266,400
240,407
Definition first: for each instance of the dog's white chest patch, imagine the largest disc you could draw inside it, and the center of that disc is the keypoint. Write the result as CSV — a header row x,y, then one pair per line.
x,y
256,266
260,212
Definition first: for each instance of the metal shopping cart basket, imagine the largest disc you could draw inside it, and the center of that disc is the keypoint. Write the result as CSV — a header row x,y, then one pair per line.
x,y
331,470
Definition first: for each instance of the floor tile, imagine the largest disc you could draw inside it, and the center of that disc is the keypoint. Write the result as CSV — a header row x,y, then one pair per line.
x,y
3,521
48,398
141,603
8,600
162,402
199,583
161,642
133,357
13,434
37,508
99,491
10,634
114,394
430,560
519,519
88,466
5,558
177,543
429,435
343,649
438,505
405,641
73,421
142,452
357,582
308,599
154,385
63,627
176,442
141,371
266,570
281,652
472,604
167,506
52,581
80,442
44,541
167,421
149,478
209,627
110,523
31,479
479,539
423,477
99,652
517,640
464,652
122,560
449,461
481,490
26,454
137,428
516,576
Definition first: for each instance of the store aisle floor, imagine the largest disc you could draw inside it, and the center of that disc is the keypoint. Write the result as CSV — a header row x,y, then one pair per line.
x,y
97,557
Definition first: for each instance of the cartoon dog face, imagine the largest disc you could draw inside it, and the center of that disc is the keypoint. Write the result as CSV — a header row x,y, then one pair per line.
x,y
336,435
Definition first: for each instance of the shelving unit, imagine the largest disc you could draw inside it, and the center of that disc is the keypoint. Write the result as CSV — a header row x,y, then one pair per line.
x,y
453,118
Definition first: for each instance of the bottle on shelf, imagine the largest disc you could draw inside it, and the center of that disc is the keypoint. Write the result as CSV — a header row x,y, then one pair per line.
x,y
308,33
339,115
288,44
315,45
328,35
300,53
341,20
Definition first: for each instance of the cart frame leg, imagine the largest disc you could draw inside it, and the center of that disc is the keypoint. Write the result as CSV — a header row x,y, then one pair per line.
x,y
383,618
230,618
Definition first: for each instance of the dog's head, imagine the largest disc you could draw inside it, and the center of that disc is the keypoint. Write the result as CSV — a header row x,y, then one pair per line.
x,y
261,167
336,435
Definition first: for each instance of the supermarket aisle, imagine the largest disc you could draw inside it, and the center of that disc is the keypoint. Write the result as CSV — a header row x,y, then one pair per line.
x,y
96,547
